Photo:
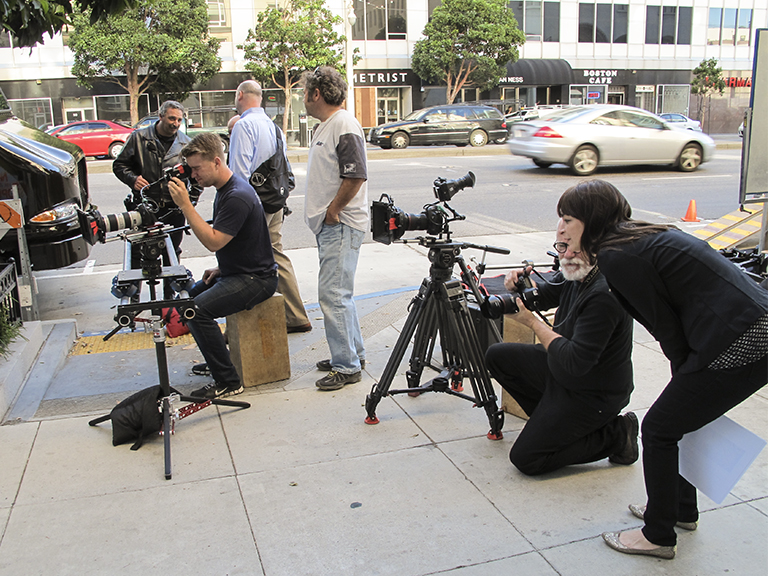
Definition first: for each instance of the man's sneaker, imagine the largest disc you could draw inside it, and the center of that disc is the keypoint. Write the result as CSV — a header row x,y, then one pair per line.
x,y
630,453
325,365
215,390
335,380
201,369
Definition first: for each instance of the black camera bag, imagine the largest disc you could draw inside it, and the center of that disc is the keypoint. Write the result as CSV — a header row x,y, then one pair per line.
x,y
137,416
273,180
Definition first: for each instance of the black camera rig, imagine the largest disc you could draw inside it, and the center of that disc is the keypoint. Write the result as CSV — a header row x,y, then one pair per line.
x,y
143,208
389,223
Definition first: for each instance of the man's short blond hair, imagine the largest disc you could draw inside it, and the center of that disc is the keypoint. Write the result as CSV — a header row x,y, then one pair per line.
x,y
207,145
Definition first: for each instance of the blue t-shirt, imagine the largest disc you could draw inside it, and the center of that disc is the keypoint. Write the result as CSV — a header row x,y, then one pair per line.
x,y
237,211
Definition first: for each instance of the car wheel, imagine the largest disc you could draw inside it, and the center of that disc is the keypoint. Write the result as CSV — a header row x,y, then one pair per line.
x,y
114,149
690,158
584,160
541,163
478,138
400,140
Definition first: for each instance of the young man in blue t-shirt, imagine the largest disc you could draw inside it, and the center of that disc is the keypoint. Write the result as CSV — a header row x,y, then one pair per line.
x,y
246,274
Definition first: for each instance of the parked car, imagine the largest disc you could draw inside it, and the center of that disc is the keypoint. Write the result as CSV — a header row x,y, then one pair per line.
x,y
458,124
99,138
534,113
680,121
52,182
585,137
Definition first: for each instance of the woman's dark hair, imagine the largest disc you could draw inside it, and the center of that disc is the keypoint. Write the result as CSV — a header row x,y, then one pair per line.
x,y
606,215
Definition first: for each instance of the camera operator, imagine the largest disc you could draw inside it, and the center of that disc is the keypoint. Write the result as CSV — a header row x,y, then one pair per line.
x,y
146,153
575,382
246,274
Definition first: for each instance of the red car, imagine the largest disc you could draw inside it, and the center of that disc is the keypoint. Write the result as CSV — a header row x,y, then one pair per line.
x,y
95,137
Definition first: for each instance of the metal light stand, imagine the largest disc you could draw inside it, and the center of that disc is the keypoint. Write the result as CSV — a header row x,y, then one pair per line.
x,y
440,314
154,243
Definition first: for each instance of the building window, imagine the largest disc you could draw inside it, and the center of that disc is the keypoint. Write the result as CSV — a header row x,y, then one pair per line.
x,y
381,19
603,23
538,25
729,27
217,14
551,21
431,5
668,25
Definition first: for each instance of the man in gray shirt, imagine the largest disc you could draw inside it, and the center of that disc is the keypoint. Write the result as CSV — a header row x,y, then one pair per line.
x,y
336,210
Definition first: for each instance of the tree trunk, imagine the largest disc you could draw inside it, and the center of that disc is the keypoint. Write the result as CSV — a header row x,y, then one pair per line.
x,y
134,90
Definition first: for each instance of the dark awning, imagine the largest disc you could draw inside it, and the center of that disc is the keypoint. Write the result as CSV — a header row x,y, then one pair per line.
x,y
538,72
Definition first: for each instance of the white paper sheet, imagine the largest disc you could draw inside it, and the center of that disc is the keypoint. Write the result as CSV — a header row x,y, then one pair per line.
x,y
716,456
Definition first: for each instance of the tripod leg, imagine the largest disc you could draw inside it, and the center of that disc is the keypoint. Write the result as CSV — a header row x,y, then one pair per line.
x,y
469,355
381,388
167,436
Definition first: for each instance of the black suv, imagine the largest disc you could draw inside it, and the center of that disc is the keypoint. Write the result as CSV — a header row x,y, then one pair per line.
x,y
51,179
459,124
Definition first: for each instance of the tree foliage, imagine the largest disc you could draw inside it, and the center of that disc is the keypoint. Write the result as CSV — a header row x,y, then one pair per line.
x,y
159,44
289,39
467,43
707,79
28,20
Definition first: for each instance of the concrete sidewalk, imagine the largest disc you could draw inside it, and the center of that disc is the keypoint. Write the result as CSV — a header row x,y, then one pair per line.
x,y
299,485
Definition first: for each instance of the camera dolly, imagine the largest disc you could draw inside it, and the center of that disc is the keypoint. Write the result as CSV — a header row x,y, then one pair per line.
x,y
154,243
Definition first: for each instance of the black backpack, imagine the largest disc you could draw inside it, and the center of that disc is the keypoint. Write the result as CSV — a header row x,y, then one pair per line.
x,y
273,180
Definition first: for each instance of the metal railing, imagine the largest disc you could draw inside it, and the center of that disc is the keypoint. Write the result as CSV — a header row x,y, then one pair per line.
x,y
9,297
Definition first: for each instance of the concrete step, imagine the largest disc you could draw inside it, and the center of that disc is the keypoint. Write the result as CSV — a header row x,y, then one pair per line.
x,y
31,366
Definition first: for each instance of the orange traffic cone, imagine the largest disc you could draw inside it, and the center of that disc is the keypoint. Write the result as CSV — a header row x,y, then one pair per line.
x,y
690,216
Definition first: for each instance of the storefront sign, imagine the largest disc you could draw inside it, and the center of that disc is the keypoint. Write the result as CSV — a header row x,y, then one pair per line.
x,y
512,80
385,78
645,88
600,76
733,82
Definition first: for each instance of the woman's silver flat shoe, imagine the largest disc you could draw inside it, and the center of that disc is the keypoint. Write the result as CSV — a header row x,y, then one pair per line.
x,y
639,511
612,539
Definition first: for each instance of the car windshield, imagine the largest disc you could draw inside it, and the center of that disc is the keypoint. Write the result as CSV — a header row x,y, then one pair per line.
x,y
415,115
568,114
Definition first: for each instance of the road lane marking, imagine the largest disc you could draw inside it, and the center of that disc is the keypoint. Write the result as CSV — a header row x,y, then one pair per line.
x,y
692,177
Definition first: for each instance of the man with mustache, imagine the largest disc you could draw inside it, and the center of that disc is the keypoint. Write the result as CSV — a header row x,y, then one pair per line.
x,y
574,383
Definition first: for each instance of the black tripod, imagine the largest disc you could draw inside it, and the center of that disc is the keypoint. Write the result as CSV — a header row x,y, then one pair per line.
x,y
153,244
440,313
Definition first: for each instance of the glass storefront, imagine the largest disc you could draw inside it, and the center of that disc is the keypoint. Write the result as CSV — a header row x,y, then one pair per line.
x,y
38,112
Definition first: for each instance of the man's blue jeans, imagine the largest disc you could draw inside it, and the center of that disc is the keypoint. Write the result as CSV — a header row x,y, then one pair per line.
x,y
226,295
339,248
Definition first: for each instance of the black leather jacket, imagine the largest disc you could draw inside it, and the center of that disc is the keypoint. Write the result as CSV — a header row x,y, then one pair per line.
x,y
141,157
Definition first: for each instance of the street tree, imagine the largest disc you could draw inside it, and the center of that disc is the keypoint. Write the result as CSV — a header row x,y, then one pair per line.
x,y
161,45
467,43
289,39
28,20
707,80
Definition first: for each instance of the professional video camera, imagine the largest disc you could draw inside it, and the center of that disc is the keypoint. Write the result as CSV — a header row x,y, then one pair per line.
x,y
495,306
141,212
389,223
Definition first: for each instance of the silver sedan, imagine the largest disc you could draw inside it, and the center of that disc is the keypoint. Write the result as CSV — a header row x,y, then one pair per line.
x,y
585,137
